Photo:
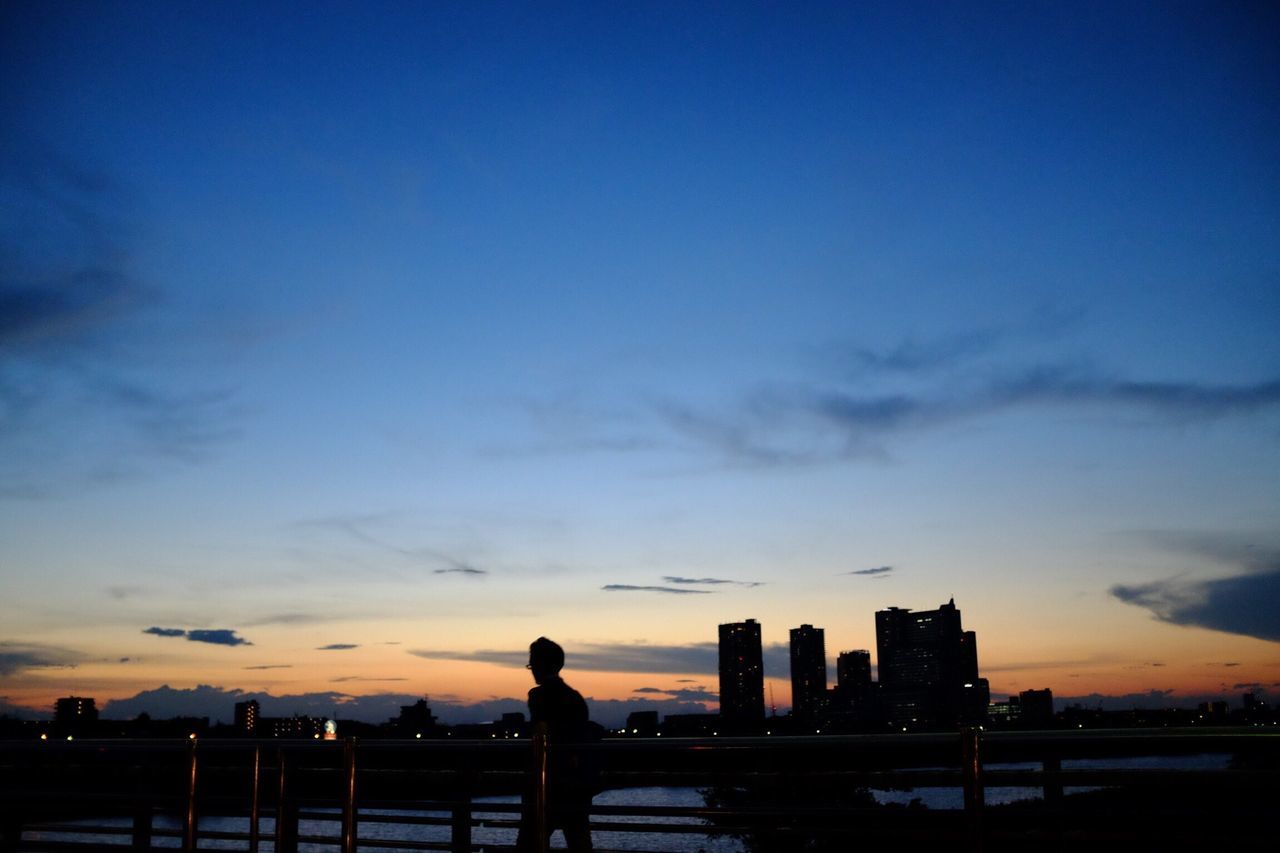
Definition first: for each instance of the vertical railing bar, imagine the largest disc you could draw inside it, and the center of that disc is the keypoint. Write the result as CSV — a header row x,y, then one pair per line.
x,y
349,796
142,825
460,831
255,800
971,773
189,818
540,786
286,841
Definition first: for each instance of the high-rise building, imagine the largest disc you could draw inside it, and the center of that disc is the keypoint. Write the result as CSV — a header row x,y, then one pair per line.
x,y
853,680
75,715
246,717
808,670
741,673
929,668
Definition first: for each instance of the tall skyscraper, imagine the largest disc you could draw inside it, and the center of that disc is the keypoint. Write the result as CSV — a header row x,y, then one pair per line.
x,y
808,670
741,673
928,668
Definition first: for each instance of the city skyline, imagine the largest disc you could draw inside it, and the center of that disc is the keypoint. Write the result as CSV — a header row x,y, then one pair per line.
x,y
342,354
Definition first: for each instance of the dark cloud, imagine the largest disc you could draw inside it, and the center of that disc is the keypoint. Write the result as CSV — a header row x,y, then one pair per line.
x,y
709,581
67,307
271,666
216,636
625,587
648,690
460,570
1247,604
79,324
124,660
17,657
337,647
878,570
120,593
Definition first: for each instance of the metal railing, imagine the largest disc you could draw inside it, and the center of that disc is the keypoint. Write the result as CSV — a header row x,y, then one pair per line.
x,y
795,787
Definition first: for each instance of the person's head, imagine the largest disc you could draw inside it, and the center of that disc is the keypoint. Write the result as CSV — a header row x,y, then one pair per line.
x,y
546,659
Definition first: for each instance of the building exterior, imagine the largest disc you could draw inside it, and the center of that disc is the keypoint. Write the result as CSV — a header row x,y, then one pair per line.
x,y
929,669
808,671
246,718
1037,707
75,715
741,673
854,693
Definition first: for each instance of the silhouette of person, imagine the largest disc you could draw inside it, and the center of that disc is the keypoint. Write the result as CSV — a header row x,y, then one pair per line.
x,y
569,782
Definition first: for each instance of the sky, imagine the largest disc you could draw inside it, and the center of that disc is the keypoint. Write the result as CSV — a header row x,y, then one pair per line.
x,y
347,348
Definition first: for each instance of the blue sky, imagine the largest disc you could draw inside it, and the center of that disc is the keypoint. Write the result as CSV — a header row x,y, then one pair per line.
x,y
411,328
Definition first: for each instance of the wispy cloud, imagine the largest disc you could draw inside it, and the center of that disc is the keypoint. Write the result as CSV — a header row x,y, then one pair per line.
x,y
709,581
337,647
626,587
603,657
271,666
17,657
359,528
289,619
345,678
878,571
686,694
214,636
803,424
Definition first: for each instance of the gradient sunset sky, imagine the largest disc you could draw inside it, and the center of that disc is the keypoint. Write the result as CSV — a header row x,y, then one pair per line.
x,y
346,348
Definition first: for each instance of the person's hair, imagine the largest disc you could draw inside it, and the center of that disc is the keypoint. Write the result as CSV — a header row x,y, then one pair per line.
x,y
546,653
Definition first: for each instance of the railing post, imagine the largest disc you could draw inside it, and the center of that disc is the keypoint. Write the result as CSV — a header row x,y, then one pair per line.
x,y
349,796
971,773
142,824
460,824
189,816
286,817
10,831
255,800
1052,769
540,786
